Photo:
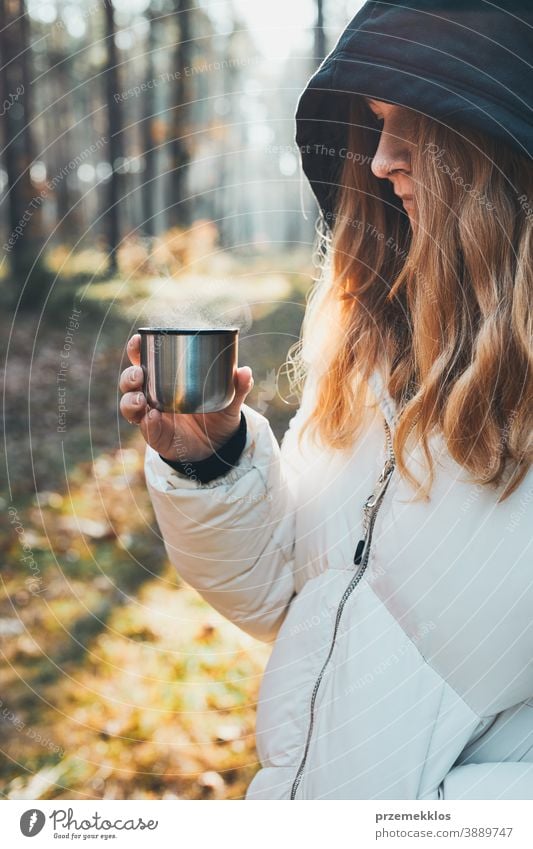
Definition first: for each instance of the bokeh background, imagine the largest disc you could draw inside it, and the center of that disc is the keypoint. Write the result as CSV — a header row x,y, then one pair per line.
x,y
148,170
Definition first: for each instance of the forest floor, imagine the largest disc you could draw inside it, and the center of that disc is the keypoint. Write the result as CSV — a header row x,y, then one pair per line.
x,y
117,680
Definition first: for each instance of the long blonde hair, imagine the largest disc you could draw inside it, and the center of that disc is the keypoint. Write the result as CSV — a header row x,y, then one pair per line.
x,y
442,308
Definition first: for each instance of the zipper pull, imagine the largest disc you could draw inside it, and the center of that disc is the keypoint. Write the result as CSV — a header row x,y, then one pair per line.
x,y
370,506
358,556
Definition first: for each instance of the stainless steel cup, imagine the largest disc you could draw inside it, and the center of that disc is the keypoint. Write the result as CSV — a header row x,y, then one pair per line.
x,y
189,371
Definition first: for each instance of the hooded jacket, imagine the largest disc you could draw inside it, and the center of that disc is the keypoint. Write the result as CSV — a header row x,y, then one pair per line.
x,y
402,631
457,61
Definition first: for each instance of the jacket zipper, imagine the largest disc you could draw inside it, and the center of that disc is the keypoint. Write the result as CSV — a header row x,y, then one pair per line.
x,y
361,556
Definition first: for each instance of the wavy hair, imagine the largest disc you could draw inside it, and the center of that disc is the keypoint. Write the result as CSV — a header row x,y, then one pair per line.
x,y
442,308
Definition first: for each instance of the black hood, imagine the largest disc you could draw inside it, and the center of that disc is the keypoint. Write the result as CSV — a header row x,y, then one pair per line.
x,y
459,61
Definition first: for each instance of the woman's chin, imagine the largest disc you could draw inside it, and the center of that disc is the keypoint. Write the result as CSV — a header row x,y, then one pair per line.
x,y
409,211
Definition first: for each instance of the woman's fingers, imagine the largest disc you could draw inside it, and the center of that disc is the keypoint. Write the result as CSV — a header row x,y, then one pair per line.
x,y
152,427
131,379
134,349
159,432
133,406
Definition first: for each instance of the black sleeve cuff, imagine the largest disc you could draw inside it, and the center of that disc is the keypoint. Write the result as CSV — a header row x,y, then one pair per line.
x,y
218,463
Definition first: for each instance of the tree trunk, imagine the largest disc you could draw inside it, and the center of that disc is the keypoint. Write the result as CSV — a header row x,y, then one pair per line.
x,y
114,128
178,208
320,35
23,201
58,127
148,141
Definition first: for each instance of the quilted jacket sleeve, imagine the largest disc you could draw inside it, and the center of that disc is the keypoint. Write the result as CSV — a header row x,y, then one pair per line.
x,y
233,538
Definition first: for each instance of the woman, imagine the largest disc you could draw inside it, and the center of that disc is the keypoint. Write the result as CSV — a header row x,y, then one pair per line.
x,y
386,547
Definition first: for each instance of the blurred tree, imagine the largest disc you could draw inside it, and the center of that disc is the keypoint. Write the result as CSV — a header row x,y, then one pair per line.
x,y
58,119
148,140
24,205
178,208
320,35
114,125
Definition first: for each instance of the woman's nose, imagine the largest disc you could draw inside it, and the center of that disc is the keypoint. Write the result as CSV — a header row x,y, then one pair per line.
x,y
391,155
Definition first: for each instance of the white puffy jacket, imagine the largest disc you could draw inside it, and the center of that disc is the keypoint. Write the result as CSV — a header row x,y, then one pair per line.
x,y
408,676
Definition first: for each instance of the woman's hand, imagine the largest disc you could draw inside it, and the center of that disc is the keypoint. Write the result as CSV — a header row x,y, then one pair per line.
x,y
179,436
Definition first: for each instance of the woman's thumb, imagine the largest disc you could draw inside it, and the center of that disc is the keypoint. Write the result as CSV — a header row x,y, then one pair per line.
x,y
244,382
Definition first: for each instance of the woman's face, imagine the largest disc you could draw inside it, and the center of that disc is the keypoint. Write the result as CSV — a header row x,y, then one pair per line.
x,y
392,159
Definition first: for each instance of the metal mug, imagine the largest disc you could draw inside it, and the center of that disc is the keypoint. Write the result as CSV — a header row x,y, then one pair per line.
x,y
189,371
